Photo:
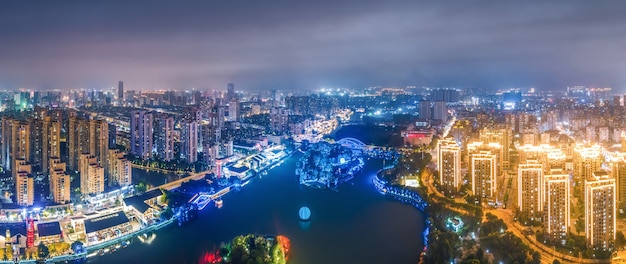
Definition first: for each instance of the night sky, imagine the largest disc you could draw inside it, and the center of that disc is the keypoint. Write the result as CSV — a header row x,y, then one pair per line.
x,y
288,45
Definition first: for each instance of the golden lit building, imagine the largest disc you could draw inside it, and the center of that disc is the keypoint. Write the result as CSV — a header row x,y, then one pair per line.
x,y
449,165
502,136
494,148
618,170
549,156
91,175
59,181
24,184
586,161
530,189
556,206
483,171
120,172
20,146
600,211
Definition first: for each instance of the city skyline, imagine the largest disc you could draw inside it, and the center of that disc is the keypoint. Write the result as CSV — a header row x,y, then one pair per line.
x,y
305,45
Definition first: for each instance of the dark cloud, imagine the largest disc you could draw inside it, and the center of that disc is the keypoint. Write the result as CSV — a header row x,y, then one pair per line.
x,y
310,44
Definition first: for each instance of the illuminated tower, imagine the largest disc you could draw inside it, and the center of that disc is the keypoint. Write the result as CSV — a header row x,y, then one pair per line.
x,y
218,167
99,141
164,137
586,161
449,165
59,182
501,136
91,175
120,172
120,93
483,171
600,211
189,139
7,143
51,141
20,146
556,206
24,184
530,189
78,140
618,169
141,134
30,233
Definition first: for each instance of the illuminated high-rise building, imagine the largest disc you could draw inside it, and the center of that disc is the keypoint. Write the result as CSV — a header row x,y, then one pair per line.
x,y
78,140
493,147
120,93
99,141
189,140
141,134
164,137
501,136
483,171
59,182
51,142
449,165
233,110
530,189
24,183
120,172
7,143
600,211
20,146
21,140
556,206
586,160
618,170
91,175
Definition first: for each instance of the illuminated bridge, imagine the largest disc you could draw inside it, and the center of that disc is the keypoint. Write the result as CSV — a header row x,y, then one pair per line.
x,y
352,143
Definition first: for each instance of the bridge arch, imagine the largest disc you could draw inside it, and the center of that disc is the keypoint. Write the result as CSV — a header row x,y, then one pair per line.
x,y
352,143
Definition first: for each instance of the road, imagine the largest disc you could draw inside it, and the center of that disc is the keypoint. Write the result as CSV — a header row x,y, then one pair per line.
x,y
546,252
177,183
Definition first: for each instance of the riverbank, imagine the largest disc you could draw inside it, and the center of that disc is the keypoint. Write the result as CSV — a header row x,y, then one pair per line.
x,y
269,205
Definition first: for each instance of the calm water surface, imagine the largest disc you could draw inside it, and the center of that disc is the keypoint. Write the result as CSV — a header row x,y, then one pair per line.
x,y
354,225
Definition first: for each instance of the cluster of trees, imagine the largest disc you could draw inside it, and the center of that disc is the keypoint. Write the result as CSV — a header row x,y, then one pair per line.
x,y
504,245
251,249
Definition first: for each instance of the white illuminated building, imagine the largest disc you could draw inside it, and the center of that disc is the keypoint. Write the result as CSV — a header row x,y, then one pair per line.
x,y
483,170
449,164
556,206
600,211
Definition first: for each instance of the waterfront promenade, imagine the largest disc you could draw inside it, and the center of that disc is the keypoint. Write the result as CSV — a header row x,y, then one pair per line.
x,y
175,184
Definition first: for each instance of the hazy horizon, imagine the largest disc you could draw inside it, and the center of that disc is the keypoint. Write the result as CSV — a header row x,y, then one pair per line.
x,y
297,45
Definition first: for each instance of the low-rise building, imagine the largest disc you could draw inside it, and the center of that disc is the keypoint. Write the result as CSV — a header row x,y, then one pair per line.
x,y
49,233
145,207
106,227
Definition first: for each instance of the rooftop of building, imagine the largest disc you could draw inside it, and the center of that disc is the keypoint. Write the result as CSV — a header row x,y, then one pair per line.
x,y
49,229
105,221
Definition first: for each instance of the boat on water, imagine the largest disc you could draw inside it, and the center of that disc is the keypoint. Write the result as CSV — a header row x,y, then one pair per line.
x,y
219,203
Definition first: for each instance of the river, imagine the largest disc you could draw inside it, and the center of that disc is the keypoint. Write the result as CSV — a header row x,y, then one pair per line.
x,y
354,225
